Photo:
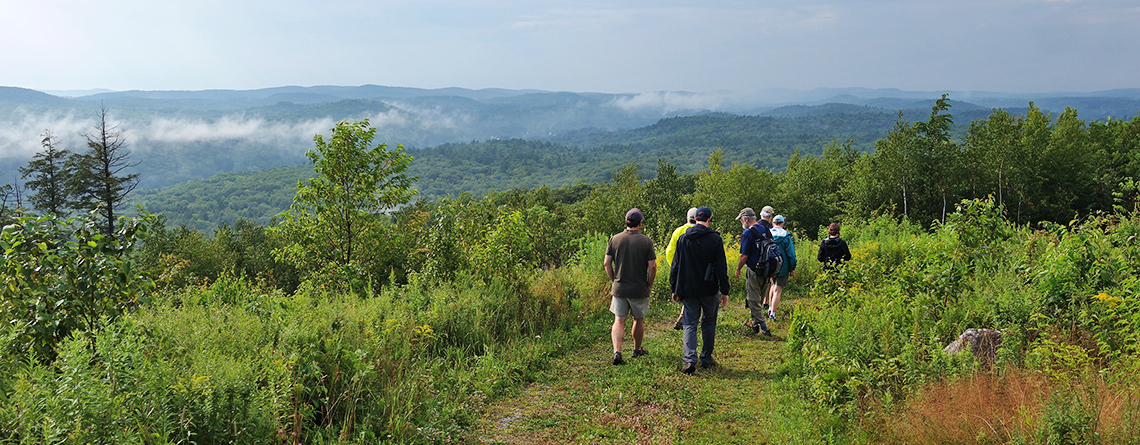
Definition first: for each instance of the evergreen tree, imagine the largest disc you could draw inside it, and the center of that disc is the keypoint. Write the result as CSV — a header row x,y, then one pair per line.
x,y
49,173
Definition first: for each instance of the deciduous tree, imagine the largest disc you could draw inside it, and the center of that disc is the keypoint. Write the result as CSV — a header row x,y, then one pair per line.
x,y
336,217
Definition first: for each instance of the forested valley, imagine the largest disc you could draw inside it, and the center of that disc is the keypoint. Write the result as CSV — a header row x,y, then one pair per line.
x,y
368,313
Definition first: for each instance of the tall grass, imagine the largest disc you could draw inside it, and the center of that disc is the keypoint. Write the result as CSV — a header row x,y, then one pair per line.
x,y
869,342
236,363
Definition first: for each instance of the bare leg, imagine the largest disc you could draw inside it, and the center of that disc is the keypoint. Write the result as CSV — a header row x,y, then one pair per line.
x,y
617,332
638,332
777,292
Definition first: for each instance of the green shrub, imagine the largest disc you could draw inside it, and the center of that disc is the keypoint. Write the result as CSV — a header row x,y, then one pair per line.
x,y
58,277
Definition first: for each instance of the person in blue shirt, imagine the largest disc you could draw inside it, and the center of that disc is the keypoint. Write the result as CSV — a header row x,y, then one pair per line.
x,y
756,287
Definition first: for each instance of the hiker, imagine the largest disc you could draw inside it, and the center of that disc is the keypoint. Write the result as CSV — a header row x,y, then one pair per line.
x,y
631,264
755,285
783,238
699,280
690,221
833,250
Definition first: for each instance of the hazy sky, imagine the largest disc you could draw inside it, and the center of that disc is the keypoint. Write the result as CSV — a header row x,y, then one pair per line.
x,y
613,47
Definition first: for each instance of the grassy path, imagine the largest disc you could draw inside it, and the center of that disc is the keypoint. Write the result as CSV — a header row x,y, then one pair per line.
x,y
582,398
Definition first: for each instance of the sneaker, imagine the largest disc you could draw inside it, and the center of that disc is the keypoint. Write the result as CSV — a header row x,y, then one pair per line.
x,y
617,359
710,363
640,352
772,316
689,368
766,307
677,326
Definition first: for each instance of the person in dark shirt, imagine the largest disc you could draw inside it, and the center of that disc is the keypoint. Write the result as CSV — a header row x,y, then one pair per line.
x,y
833,250
631,264
699,280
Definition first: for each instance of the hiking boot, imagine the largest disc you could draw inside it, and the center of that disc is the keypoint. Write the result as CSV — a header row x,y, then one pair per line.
x,y
677,326
640,352
763,327
689,368
617,358
710,363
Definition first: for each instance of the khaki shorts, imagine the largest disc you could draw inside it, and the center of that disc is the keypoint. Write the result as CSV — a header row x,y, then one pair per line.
x,y
756,288
637,308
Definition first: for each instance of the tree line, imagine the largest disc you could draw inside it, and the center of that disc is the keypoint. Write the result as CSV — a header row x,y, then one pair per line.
x,y
1037,167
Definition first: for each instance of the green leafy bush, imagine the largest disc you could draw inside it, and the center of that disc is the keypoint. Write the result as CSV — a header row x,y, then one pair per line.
x,y
63,276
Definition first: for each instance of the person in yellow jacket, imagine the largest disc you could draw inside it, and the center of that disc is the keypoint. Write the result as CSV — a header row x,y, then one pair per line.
x,y
691,220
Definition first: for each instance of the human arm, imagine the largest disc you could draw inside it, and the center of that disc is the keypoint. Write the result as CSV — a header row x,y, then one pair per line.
x,y
671,249
674,270
745,242
791,255
846,252
652,275
608,263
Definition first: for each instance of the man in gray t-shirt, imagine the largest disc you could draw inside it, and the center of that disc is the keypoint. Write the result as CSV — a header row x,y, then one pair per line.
x,y
631,265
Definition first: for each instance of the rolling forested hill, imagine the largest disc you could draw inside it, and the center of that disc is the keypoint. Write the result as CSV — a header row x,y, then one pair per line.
x,y
466,140
502,164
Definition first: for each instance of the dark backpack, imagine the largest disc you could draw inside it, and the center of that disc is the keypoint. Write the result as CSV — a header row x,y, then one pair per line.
x,y
770,259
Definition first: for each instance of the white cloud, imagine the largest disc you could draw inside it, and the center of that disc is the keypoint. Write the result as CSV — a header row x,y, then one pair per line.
x,y
20,139
672,101
20,135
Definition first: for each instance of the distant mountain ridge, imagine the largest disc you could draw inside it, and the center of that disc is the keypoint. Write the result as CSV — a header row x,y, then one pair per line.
x,y
178,136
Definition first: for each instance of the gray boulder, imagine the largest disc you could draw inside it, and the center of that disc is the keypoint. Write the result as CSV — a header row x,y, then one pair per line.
x,y
983,343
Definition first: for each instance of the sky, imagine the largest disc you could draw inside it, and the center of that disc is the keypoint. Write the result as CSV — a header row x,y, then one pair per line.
x,y
1030,46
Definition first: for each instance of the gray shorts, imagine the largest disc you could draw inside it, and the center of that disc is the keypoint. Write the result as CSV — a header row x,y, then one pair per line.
x,y
782,281
637,308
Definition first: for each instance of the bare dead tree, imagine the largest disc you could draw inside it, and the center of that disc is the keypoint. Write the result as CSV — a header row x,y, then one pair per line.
x,y
99,182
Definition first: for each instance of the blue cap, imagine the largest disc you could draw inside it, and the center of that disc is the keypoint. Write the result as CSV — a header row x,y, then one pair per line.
x,y
703,213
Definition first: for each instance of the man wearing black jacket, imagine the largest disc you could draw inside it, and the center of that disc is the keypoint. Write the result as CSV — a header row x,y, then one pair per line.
x,y
699,279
